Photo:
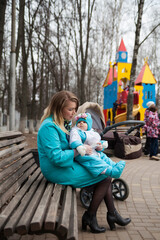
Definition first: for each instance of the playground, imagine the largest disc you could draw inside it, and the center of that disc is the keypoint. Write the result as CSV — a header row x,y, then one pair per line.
x,y
116,88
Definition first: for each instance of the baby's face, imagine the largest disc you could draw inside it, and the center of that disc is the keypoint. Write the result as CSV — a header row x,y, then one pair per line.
x,y
82,125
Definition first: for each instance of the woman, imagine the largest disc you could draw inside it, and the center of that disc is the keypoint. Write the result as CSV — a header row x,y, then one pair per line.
x,y
58,165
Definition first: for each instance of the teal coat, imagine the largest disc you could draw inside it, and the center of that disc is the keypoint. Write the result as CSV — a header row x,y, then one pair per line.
x,y
57,159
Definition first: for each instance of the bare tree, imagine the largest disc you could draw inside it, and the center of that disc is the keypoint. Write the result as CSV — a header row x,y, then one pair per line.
x,y
24,93
23,31
3,4
156,68
134,59
84,45
135,54
5,88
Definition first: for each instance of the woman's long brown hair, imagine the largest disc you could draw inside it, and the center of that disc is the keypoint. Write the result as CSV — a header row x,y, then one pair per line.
x,y
56,106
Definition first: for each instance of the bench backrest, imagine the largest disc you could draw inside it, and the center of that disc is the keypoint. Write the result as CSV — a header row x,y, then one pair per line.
x,y
16,164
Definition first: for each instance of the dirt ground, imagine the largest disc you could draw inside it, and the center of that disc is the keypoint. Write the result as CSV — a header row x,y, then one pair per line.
x,y
31,140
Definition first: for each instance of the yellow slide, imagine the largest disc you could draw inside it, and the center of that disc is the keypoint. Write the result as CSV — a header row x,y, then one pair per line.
x,y
123,116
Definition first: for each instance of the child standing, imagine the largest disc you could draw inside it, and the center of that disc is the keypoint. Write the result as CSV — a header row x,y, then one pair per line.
x,y
96,163
151,126
146,115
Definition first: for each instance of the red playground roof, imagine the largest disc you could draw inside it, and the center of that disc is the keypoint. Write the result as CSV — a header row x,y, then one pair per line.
x,y
140,76
122,47
109,78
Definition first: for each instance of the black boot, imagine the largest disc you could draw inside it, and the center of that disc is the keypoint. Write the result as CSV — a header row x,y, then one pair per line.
x,y
113,218
91,221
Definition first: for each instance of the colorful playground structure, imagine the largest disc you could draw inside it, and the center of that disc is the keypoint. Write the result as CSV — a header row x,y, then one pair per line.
x,y
116,86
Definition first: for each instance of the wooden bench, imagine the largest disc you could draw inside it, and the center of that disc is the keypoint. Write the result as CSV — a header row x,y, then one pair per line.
x,y
29,204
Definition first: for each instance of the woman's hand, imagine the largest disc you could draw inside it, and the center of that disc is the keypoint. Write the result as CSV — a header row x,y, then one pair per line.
x,y
75,153
99,147
88,149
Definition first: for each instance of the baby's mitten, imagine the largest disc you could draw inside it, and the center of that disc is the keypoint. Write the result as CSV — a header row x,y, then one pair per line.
x,y
82,150
105,144
118,169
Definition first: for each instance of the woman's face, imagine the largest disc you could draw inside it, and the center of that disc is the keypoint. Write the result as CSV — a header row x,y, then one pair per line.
x,y
69,110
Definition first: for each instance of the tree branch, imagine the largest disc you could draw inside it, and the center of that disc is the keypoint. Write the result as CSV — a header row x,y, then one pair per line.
x,y
149,34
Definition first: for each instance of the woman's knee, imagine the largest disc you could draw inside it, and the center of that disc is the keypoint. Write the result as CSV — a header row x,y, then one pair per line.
x,y
107,180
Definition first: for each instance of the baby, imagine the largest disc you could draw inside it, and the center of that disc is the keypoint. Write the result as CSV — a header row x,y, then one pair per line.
x,y
96,163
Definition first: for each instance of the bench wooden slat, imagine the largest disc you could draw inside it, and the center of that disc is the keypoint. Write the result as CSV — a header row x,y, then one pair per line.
x,y
38,218
11,224
63,223
14,157
9,142
12,205
14,178
23,225
11,191
50,220
73,231
12,168
13,149
10,134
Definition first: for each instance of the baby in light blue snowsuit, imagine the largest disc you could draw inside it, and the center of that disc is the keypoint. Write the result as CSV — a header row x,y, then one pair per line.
x,y
96,163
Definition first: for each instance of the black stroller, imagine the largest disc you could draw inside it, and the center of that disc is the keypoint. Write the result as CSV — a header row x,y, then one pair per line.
x,y
120,189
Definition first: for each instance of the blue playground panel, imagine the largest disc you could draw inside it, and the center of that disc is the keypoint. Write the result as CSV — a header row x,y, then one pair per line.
x,y
149,94
110,95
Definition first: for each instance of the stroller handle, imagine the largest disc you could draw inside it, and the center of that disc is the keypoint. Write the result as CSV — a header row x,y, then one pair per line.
x,y
128,122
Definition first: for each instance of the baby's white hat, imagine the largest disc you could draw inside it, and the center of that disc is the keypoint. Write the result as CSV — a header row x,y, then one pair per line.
x,y
150,103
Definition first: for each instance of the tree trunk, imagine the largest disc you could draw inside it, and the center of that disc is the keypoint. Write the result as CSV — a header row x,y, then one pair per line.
x,y
23,124
134,60
41,89
3,4
33,110
20,28
158,96
38,123
24,94
84,52
31,126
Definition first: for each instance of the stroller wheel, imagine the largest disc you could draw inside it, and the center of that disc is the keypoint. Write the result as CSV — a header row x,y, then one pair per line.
x,y
120,189
86,196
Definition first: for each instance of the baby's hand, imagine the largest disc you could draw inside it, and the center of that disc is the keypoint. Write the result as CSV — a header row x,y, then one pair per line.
x,y
99,147
88,149
105,144
82,150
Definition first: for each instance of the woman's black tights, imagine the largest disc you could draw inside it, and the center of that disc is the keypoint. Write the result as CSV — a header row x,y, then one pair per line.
x,y
102,190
